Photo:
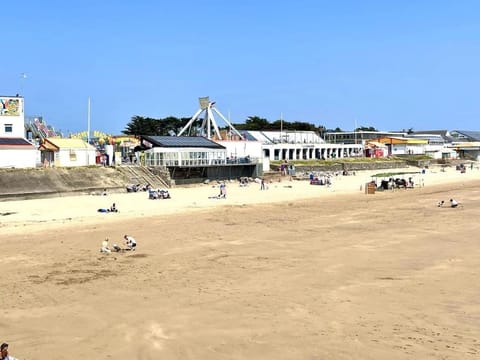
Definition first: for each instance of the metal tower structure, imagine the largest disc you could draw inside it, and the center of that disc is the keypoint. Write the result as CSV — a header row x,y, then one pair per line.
x,y
209,126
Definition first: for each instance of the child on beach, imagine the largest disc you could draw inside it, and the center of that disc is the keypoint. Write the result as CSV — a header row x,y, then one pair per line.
x,y
105,248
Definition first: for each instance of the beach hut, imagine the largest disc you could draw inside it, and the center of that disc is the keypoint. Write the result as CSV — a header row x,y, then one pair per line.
x,y
61,152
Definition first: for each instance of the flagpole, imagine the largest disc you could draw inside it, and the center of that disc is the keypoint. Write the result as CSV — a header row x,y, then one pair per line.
x,y
281,127
355,131
88,122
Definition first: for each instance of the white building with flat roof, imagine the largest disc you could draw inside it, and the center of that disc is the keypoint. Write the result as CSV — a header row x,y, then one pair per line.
x,y
12,117
15,151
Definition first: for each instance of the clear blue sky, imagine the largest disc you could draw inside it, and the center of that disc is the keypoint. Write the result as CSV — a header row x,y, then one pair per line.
x,y
388,64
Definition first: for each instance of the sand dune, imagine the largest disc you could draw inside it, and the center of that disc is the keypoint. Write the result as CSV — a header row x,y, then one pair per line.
x,y
294,272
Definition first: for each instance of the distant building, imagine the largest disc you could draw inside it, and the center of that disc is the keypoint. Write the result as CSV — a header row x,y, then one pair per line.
x,y
67,152
301,145
403,145
188,157
12,117
466,143
357,137
465,135
15,150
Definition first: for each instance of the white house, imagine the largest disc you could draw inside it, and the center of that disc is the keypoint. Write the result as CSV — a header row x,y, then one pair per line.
x,y
15,150
67,152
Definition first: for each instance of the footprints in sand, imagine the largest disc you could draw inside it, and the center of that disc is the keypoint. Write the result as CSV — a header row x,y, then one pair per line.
x,y
71,276
155,336
151,335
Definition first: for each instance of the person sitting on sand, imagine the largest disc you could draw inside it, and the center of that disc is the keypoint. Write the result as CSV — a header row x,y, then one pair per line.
x,y
130,242
113,208
440,203
164,194
105,248
152,194
453,203
4,352
116,248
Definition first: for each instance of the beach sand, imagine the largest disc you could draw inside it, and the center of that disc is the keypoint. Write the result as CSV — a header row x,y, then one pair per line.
x,y
294,272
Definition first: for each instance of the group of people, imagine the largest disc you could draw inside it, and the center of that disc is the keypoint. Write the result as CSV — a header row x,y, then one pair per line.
x,y
138,187
130,243
453,203
154,194
4,353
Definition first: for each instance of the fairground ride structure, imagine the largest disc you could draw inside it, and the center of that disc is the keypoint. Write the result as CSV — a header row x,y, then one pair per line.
x,y
209,127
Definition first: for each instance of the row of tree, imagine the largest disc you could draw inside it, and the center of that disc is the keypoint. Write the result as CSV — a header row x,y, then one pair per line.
x,y
140,125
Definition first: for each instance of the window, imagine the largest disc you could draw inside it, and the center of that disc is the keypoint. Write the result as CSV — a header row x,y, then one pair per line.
x,y
8,128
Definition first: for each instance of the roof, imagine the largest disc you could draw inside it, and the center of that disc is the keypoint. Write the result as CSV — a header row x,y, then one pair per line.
x,y
470,135
66,143
375,144
470,145
400,140
11,142
445,134
179,142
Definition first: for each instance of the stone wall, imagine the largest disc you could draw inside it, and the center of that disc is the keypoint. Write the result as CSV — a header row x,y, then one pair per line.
x,y
44,182
348,166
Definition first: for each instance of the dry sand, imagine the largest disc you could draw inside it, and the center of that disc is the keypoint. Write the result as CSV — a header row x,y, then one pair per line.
x,y
294,272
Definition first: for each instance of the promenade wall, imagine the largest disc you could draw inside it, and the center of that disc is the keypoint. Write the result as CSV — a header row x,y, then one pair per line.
x,y
48,182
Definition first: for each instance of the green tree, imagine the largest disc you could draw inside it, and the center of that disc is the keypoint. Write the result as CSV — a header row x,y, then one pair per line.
x,y
256,123
140,125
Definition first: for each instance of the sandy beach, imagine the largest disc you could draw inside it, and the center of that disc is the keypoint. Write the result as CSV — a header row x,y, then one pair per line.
x,y
294,272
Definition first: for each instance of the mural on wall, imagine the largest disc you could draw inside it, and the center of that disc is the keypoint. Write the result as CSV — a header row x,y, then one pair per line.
x,y
9,107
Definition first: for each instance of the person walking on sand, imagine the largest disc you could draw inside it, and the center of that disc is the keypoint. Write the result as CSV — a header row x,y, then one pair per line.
x,y
223,191
4,352
262,184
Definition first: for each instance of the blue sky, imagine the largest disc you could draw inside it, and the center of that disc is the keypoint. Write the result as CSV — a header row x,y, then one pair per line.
x,y
387,64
